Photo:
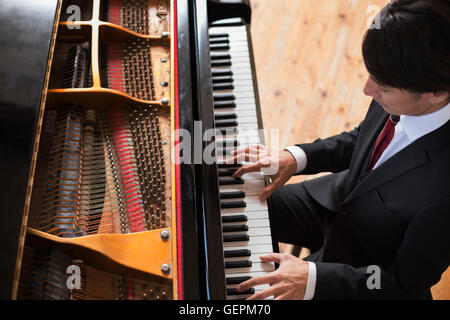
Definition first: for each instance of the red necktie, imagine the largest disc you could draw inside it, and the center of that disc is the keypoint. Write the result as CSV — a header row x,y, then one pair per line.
x,y
383,140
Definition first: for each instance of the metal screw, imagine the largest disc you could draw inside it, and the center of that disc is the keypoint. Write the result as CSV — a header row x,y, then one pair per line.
x,y
165,101
165,268
164,235
164,142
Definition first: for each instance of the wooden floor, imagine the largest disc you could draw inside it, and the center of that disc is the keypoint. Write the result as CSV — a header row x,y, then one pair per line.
x,y
310,70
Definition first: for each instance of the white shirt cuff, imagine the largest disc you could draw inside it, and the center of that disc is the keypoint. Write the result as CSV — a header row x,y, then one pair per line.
x,y
300,157
311,283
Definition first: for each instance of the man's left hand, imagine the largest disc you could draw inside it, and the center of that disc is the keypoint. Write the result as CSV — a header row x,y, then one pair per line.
x,y
288,282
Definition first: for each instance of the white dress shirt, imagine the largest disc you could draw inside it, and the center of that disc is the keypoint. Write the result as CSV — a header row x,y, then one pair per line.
x,y
407,130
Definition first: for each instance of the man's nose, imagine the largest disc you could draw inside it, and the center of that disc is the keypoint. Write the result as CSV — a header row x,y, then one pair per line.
x,y
371,89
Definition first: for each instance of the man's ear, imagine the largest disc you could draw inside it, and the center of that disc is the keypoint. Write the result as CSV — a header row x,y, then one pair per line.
x,y
440,97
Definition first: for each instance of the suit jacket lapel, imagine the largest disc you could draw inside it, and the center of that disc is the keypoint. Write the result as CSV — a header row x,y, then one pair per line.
x,y
403,161
364,151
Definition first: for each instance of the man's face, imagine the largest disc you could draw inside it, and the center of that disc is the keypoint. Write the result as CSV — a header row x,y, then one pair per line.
x,y
397,101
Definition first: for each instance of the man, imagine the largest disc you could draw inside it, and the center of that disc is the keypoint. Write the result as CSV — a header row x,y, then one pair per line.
x,y
385,210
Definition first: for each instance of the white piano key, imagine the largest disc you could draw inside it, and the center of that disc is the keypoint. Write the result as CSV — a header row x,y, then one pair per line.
x,y
252,232
260,249
238,83
231,31
251,207
252,223
252,241
254,176
254,258
250,274
241,75
252,199
257,288
248,184
247,120
251,191
260,266
243,92
251,113
247,126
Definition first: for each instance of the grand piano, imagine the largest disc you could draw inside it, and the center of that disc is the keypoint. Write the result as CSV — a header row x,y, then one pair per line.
x,y
106,111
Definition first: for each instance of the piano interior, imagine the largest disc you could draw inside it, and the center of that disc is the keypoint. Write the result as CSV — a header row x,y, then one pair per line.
x,y
102,189
109,211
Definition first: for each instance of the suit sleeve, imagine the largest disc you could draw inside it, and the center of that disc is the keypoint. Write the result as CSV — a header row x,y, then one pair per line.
x,y
421,259
334,154
331,154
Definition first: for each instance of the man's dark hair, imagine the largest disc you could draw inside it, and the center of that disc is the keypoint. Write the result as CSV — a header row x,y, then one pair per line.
x,y
408,46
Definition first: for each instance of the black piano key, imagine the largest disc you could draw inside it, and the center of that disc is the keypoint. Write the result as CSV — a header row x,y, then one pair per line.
x,y
218,35
219,46
232,195
224,152
238,264
223,86
229,165
237,280
220,57
228,131
235,228
221,73
234,292
224,97
232,204
225,115
237,253
224,104
235,237
236,218
226,123
222,79
219,40
230,181
226,172
228,143
221,63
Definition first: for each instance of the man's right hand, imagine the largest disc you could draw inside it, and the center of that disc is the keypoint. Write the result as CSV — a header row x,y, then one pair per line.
x,y
262,158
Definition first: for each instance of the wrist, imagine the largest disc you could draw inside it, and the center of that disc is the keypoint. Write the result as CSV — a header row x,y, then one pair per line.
x,y
299,156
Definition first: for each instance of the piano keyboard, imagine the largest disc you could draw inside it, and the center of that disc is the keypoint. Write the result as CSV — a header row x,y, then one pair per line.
x,y
245,219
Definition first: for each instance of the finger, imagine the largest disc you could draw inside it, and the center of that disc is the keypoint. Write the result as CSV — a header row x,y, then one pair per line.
x,y
244,286
255,167
249,149
284,296
242,157
271,188
272,257
266,293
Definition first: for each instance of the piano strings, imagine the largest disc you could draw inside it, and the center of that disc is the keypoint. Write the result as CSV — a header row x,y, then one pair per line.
x,y
45,276
129,68
106,174
137,16
102,171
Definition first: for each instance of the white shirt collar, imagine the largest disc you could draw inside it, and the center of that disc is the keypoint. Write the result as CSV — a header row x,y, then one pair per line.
x,y
416,127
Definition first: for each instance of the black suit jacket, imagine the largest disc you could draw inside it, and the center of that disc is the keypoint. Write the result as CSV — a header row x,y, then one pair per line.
x,y
396,217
